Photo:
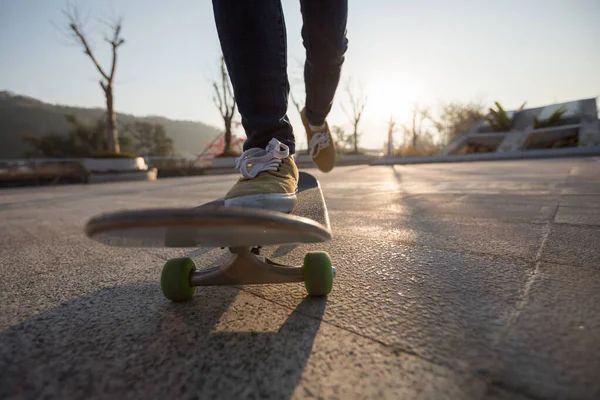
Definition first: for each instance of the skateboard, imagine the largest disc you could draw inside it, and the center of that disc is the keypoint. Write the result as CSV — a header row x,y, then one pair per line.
x,y
244,231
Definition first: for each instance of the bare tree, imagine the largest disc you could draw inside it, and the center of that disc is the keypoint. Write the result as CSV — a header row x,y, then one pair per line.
x,y
391,129
297,81
296,78
297,105
77,31
225,102
358,101
415,130
341,138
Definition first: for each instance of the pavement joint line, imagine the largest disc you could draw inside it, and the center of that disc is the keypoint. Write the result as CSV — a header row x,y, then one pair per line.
x,y
597,209
87,195
395,350
578,266
503,203
240,288
522,302
475,219
589,226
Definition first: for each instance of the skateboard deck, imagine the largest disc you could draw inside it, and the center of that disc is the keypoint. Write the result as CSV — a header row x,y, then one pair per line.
x,y
214,225
242,230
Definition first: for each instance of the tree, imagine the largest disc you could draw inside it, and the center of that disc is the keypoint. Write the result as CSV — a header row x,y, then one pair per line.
x,y
416,130
391,129
341,138
89,140
82,140
107,81
296,78
150,139
296,103
358,101
457,119
225,102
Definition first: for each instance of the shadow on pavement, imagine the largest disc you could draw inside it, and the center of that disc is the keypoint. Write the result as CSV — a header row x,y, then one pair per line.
x,y
129,342
475,291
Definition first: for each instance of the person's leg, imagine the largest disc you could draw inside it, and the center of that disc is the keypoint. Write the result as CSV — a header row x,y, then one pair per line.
x,y
324,37
253,40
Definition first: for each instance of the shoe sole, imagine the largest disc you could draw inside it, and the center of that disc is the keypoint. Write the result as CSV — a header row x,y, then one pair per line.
x,y
276,201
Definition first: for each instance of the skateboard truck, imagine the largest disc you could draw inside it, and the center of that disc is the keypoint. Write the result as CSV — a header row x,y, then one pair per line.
x,y
180,276
247,268
255,249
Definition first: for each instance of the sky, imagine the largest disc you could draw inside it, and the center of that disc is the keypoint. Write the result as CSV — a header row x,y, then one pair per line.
x,y
425,52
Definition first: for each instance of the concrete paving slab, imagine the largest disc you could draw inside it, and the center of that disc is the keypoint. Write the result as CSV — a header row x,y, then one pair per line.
x,y
553,350
573,245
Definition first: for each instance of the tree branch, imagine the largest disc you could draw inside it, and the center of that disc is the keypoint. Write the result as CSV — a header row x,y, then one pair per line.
x,y
88,51
296,104
224,84
220,103
76,26
116,42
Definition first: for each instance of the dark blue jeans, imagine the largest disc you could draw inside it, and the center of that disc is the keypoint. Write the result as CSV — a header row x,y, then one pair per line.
x,y
252,34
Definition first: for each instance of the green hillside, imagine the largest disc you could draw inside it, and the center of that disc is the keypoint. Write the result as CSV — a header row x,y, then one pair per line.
x,y
21,114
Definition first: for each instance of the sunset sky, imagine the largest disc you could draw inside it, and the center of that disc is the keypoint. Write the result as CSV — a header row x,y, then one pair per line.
x,y
404,52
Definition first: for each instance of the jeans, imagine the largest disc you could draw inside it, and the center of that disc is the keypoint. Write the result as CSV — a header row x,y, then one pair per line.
x,y
252,34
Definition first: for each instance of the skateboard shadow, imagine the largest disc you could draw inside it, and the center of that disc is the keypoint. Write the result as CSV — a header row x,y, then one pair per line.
x,y
284,250
128,341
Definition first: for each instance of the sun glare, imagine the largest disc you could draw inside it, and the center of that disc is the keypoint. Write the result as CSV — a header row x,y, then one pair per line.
x,y
391,98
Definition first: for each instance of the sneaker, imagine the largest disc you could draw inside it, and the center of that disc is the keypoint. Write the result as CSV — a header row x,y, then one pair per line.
x,y
320,144
269,179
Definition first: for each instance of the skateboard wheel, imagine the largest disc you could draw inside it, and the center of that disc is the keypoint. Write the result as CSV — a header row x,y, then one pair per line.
x,y
318,273
175,279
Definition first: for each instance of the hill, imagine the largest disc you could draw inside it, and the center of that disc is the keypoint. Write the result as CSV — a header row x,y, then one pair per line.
x,y
22,114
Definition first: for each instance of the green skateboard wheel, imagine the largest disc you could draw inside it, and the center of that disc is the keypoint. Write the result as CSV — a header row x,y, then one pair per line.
x,y
175,279
318,273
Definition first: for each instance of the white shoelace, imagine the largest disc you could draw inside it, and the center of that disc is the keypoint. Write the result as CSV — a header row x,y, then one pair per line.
x,y
260,160
318,142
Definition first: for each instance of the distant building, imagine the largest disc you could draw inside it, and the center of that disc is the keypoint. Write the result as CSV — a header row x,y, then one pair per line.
x,y
578,127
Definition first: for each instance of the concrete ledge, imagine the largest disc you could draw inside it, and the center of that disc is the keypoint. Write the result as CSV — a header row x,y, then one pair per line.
x,y
305,160
100,165
515,155
149,175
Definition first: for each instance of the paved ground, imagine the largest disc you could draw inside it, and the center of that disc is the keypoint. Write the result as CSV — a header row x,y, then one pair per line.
x,y
459,281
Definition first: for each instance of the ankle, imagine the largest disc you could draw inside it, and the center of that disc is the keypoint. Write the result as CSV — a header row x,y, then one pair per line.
x,y
316,127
